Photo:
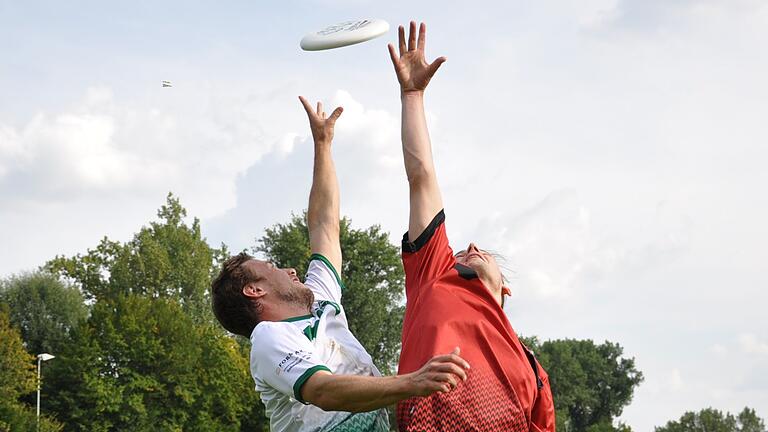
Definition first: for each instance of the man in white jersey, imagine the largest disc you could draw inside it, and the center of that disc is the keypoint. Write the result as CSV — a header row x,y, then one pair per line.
x,y
311,371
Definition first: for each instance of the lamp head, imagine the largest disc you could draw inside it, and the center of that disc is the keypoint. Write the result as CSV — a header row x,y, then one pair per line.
x,y
45,356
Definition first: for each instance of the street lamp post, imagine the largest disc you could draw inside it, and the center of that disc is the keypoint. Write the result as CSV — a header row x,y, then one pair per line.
x,y
40,359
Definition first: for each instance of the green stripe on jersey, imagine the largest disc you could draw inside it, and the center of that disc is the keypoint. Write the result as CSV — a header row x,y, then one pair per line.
x,y
296,318
311,331
317,256
303,378
323,303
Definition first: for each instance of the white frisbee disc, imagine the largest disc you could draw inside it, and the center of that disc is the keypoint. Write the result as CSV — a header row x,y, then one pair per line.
x,y
343,34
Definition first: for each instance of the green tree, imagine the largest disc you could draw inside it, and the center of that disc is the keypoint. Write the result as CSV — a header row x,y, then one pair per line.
x,y
144,364
372,272
749,421
167,259
17,373
17,378
591,384
712,420
608,426
44,309
150,357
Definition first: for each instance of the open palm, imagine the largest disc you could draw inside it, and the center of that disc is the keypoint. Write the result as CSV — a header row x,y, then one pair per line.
x,y
413,71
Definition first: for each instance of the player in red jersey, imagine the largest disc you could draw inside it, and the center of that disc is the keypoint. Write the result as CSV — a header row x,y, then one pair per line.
x,y
456,300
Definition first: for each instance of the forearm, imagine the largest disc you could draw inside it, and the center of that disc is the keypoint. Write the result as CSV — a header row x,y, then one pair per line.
x,y
417,148
358,393
323,213
424,191
366,393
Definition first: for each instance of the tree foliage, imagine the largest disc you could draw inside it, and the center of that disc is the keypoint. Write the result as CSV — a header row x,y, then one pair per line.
x,y
167,259
591,384
17,378
44,309
150,357
143,364
712,420
605,426
17,371
372,272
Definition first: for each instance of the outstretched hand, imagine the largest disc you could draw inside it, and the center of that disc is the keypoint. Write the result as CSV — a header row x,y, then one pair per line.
x,y
320,124
413,71
442,373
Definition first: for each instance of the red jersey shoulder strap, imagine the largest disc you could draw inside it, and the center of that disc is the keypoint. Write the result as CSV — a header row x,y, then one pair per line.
x,y
427,257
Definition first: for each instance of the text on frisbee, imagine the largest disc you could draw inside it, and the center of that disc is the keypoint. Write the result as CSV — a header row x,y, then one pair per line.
x,y
344,34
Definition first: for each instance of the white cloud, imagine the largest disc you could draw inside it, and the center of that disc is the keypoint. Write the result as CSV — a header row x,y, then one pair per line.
x,y
592,13
368,162
675,380
69,152
558,250
102,165
719,349
11,151
375,130
100,146
752,344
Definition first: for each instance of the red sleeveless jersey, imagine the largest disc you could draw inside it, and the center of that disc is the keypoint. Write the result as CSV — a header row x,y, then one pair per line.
x,y
448,306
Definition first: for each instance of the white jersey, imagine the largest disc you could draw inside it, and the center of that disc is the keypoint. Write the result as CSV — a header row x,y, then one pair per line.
x,y
284,354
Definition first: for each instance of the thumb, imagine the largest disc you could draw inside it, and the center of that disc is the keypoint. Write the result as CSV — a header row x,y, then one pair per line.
x,y
436,65
336,114
456,351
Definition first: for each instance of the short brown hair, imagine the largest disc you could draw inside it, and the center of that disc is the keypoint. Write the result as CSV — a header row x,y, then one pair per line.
x,y
236,312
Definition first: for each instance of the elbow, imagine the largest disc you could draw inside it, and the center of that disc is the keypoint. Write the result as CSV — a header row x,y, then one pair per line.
x,y
328,400
421,179
323,400
314,396
316,391
420,175
322,404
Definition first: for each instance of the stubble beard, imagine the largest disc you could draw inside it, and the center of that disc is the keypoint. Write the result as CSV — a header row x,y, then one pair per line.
x,y
298,294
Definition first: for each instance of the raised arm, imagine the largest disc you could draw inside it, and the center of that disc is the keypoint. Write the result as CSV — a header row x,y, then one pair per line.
x,y
414,73
366,393
323,213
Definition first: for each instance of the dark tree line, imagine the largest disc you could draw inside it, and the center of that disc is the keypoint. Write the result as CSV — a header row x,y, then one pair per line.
x,y
712,420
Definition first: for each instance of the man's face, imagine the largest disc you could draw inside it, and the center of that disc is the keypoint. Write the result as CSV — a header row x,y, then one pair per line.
x,y
484,264
279,284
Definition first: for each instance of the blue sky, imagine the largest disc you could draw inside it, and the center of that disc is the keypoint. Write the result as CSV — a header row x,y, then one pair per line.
x,y
612,150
